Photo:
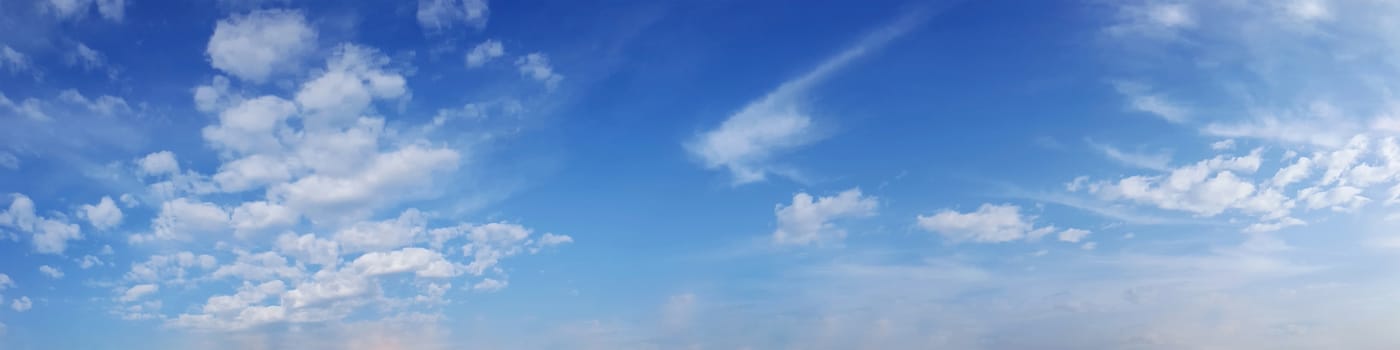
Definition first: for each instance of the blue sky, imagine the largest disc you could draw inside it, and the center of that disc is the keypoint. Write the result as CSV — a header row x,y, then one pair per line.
x,y
447,174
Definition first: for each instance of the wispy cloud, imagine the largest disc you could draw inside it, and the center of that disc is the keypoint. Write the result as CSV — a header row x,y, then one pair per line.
x,y
781,121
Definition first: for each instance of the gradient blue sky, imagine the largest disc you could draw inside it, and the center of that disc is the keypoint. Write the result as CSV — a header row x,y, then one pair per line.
x,y
453,174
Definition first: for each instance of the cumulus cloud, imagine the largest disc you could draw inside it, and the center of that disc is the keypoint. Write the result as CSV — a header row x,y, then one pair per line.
x,y
485,52
990,223
48,235
259,44
437,15
105,215
13,61
184,218
50,271
809,220
747,142
159,163
113,10
536,66
21,304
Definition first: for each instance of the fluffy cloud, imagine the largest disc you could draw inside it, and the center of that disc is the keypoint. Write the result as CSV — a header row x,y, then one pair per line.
x,y
536,66
169,269
1073,235
158,163
51,271
485,52
383,235
809,220
48,235
991,223
1206,188
259,44
14,62
138,291
184,218
437,15
21,304
779,122
105,215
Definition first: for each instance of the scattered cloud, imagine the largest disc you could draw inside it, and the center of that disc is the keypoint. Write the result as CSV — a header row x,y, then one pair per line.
x,y
747,142
51,272
439,15
257,45
990,223
809,220
485,52
536,66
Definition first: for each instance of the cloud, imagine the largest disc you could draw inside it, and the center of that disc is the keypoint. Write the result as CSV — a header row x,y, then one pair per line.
x,y
1160,161
257,45
48,235
14,61
1207,188
536,66
809,220
21,304
103,216
1073,235
51,271
138,291
1142,99
6,282
485,52
437,15
747,142
159,163
185,218
489,285
991,223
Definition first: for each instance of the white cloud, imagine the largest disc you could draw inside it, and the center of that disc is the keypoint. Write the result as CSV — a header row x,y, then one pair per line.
x,y
1223,145
389,177
421,262
22,304
169,269
88,261
250,127
309,248
261,216
260,44
1073,235
354,77
489,285
51,271
9,161
49,235
105,215
1159,161
138,291
13,61
383,235
185,218
747,142
485,52
1207,188
1141,98
536,66
6,282
113,10
159,163
263,266
991,223
437,15
808,220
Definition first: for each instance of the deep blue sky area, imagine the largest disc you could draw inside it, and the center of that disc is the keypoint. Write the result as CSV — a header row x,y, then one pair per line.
x,y
476,174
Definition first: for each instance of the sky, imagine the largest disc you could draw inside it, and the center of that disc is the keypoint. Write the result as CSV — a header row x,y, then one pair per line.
x,y
474,174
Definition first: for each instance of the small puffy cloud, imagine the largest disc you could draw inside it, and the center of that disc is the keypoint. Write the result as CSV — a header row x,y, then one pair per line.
x,y
21,304
89,261
249,128
990,223
169,269
261,216
158,163
9,160
256,45
6,282
809,220
536,66
489,285
51,272
485,52
1223,145
437,15
309,248
49,235
354,78
104,215
383,235
138,291
419,261
1073,235
1206,188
